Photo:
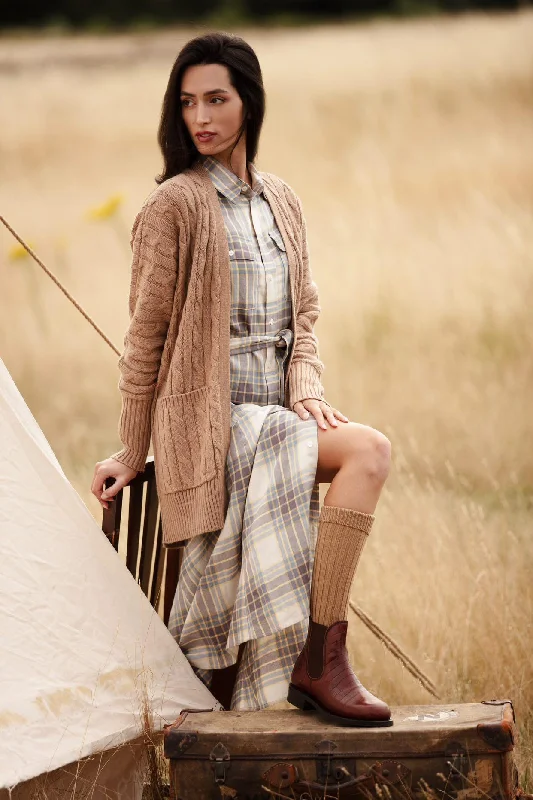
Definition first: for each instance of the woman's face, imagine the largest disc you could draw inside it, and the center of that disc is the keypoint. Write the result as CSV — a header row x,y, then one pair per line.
x,y
211,105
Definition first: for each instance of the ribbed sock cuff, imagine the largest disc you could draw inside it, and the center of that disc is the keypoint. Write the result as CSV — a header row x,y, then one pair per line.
x,y
347,516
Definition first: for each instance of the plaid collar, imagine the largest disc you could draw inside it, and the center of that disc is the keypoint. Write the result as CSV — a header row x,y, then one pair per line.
x,y
228,184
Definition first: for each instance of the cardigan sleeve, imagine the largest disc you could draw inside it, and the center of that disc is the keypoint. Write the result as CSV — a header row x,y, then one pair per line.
x,y
153,281
306,366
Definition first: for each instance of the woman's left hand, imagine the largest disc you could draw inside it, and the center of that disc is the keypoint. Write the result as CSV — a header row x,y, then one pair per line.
x,y
320,410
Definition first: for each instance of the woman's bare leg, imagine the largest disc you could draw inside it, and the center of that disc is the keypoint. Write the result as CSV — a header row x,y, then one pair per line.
x,y
355,460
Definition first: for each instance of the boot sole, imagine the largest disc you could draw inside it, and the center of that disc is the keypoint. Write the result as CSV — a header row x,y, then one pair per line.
x,y
306,703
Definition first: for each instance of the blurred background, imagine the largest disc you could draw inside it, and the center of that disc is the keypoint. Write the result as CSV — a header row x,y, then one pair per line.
x,y
135,13
406,127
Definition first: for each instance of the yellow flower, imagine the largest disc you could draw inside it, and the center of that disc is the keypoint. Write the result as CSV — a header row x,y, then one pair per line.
x,y
17,252
107,209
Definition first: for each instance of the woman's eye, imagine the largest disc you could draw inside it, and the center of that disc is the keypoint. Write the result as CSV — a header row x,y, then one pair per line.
x,y
187,101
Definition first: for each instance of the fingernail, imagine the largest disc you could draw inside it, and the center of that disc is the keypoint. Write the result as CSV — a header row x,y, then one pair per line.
x,y
306,414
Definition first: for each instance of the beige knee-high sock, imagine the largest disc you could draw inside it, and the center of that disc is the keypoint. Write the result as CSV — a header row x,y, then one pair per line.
x,y
342,533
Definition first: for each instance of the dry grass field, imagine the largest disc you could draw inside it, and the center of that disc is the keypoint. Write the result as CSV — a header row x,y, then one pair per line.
x,y
410,146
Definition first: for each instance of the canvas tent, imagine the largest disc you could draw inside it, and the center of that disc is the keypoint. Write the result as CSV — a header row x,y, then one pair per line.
x,y
81,648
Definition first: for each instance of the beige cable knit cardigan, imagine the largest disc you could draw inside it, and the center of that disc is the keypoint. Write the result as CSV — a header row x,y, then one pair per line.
x,y
175,379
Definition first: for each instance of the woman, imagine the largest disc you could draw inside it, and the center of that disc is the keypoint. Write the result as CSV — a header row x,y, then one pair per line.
x,y
221,368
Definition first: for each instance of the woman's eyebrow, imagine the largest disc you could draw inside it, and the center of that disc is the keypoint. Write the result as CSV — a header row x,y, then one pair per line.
x,y
211,91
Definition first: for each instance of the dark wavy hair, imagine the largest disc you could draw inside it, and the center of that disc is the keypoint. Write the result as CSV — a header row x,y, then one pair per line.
x,y
178,149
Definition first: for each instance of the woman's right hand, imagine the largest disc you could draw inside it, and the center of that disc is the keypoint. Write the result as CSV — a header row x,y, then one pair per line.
x,y
110,468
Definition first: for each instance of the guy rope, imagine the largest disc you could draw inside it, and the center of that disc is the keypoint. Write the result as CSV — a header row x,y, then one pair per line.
x,y
59,284
372,626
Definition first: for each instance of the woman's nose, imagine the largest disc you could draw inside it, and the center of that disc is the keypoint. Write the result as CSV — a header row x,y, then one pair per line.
x,y
202,114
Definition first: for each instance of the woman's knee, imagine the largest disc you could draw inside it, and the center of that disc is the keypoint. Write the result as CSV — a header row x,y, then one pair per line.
x,y
371,452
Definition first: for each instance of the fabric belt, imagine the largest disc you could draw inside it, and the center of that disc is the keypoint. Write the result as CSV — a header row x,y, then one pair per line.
x,y
281,340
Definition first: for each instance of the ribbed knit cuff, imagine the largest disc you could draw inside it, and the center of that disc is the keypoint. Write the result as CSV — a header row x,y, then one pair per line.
x,y
130,459
134,431
304,382
347,516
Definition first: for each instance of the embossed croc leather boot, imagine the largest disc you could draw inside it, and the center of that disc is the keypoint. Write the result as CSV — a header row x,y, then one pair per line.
x,y
322,679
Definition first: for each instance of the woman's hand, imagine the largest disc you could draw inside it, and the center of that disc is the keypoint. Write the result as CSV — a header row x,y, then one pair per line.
x,y
320,410
110,468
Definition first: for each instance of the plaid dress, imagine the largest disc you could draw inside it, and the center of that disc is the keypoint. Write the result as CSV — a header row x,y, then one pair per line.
x,y
250,582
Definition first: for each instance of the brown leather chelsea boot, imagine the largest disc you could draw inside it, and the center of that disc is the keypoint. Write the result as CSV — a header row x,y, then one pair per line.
x,y
322,679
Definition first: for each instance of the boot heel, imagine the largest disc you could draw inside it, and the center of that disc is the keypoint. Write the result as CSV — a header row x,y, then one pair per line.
x,y
296,698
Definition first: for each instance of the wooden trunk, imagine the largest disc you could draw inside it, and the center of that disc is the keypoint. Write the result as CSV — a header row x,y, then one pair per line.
x,y
462,751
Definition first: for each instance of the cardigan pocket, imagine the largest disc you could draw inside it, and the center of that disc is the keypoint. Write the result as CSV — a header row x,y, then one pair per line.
x,y
183,445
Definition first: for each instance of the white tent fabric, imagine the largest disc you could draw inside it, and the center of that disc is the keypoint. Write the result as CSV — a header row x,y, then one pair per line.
x,y
81,648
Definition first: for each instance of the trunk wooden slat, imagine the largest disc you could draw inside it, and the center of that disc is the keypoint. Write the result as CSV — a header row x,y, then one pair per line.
x,y
462,751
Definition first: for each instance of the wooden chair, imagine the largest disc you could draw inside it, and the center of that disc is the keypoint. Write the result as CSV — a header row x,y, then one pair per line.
x,y
155,568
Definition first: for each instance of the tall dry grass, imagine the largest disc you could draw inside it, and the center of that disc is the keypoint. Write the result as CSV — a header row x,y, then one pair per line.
x,y
410,146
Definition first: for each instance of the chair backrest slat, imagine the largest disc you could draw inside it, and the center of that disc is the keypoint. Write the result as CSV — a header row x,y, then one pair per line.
x,y
173,564
149,539
112,516
134,525
159,567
